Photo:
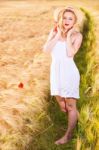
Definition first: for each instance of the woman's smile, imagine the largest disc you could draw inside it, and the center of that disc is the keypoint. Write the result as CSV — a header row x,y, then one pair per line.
x,y
66,24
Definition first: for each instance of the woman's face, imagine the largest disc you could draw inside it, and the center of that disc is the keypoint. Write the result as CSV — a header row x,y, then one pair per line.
x,y
69,20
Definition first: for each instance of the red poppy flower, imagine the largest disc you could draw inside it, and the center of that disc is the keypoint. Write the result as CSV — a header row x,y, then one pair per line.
x,y
20,85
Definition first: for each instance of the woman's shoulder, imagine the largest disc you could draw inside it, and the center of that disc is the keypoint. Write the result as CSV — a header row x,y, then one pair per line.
x,y
77,35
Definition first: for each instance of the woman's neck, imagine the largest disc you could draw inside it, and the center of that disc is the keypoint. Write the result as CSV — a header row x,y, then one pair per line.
x,y
63,37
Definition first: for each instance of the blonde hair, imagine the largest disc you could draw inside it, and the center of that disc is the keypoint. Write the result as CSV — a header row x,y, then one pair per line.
x,y
58,17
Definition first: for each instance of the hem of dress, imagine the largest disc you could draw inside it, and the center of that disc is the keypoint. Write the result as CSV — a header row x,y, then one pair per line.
x,y
65,96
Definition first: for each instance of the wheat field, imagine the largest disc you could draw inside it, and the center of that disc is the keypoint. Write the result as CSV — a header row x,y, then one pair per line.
x,y
24,74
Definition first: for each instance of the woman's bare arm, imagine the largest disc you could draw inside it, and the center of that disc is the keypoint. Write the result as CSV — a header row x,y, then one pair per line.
x,y
73,48
51,41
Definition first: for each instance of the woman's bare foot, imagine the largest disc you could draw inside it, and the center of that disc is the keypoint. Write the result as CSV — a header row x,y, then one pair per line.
x,y
63,140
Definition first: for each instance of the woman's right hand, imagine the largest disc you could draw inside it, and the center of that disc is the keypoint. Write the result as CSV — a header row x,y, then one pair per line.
x,y
54,34
58,34
52,39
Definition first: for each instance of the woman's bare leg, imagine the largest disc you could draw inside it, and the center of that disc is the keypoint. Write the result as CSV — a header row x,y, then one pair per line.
x,y
62,103
72,120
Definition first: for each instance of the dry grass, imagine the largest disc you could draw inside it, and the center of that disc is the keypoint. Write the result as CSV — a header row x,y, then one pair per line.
x,y
23,31
22,61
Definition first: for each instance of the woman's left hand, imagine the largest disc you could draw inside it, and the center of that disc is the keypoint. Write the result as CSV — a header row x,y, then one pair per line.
x,y
70,32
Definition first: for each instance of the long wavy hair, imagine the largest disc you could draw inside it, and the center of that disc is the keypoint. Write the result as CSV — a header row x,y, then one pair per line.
x,y
58,18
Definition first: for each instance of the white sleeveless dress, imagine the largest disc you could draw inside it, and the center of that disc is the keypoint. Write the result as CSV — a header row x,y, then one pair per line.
x,y
64,74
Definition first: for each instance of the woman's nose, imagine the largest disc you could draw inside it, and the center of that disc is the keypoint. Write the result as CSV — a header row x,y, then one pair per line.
x,y
67,21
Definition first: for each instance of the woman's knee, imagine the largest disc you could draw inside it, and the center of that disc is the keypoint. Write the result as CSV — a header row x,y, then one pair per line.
x,y
71,106
62,103
63,106
63,109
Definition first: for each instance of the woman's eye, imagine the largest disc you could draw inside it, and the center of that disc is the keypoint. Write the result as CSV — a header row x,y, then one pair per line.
x,y
68,18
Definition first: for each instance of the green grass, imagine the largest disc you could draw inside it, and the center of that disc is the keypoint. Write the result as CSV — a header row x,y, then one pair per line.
x,y
54,127
88,127
55,123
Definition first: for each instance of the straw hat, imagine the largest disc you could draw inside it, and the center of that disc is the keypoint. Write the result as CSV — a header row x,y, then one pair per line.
x,y
79,14
56,13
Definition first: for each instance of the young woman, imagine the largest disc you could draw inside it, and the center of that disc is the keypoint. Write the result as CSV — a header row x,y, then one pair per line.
x,y
63,43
